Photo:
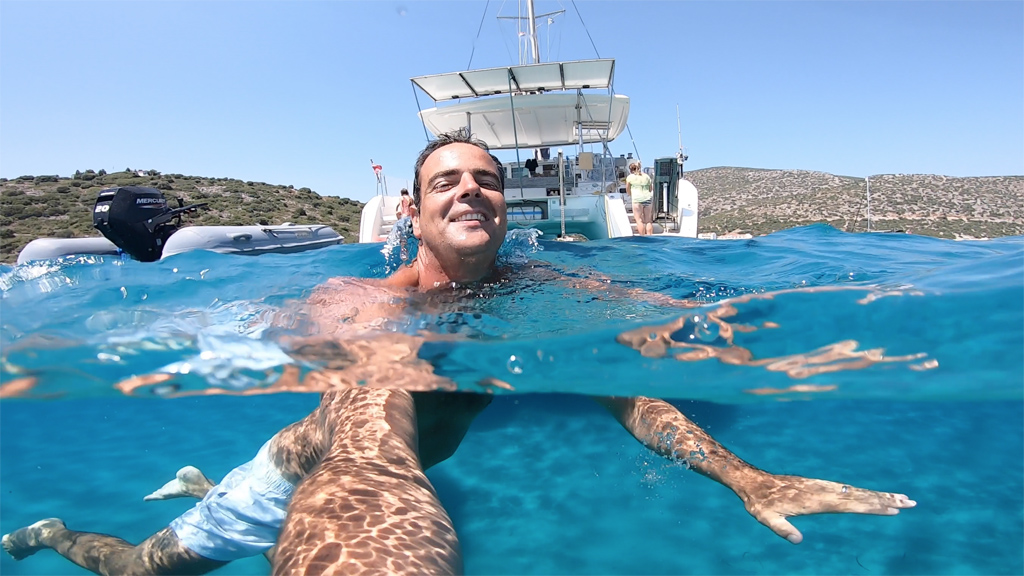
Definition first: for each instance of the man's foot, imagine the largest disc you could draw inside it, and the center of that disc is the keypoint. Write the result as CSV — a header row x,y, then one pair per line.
x,y
26,541
189,481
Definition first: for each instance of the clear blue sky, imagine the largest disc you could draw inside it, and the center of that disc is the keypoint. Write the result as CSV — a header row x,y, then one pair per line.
x,y
306,93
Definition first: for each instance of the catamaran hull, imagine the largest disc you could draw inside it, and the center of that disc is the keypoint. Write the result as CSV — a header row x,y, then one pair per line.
x,y
597,217
583,215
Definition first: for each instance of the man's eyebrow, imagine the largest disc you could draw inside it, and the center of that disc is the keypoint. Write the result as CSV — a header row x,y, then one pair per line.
x,y
442,174
455,172
485,172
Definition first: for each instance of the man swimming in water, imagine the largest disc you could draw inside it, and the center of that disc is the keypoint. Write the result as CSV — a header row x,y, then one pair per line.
x,y
351,474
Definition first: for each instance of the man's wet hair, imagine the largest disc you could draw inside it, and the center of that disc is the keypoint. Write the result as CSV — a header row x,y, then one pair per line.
x,y
460,136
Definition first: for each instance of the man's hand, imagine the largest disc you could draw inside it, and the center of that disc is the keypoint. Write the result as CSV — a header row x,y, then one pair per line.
x,y
774,498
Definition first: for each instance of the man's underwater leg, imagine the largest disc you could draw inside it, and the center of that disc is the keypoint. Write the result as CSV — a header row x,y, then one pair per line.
x,y
161,553
369,505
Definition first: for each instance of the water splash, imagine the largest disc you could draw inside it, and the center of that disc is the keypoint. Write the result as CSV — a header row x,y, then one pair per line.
x,y
401,246
518,246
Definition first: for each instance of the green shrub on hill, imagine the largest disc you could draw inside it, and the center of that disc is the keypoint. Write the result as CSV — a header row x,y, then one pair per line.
x,y
62,208
731,200
758,201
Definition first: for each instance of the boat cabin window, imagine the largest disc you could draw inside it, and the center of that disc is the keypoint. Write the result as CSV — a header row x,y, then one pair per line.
x,y
514,172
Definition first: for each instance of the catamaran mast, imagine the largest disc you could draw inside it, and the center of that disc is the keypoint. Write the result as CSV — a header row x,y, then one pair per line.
x,y
534,44
531,17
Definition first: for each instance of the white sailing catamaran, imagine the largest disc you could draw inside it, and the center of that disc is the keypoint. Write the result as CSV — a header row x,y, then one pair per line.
x,y
542,107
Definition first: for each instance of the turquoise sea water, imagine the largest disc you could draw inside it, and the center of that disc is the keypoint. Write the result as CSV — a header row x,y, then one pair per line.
x,y
546,482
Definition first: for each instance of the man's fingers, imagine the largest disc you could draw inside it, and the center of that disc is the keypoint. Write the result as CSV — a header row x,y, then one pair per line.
x,y
782,527
794,496
902,501
880,503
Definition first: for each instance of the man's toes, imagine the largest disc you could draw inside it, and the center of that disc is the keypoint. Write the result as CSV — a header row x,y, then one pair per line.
x,y
26,541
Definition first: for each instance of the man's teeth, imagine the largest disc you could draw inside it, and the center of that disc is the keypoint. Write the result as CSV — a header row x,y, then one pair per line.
x,y
467,217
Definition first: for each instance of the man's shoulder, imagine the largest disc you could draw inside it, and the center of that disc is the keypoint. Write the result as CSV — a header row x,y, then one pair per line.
x,y
403,278
355,288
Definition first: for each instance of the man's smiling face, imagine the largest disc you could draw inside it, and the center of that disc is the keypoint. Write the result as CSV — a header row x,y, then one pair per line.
x,y
462,207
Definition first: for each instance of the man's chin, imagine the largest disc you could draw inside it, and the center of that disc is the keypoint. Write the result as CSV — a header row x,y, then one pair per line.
x,y
475,242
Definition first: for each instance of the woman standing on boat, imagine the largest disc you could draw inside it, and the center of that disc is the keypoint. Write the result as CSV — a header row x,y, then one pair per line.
x,y
639,188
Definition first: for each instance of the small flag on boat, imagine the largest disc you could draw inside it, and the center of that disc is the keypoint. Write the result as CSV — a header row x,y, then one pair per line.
x,y
377,168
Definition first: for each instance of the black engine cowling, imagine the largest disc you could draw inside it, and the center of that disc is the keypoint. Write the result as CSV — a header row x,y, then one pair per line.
x,y
137,220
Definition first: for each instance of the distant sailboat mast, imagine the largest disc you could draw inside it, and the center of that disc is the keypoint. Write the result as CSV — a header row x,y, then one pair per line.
x,y
868,181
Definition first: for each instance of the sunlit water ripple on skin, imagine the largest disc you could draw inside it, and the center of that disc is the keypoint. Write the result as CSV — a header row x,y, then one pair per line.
x,y
806,313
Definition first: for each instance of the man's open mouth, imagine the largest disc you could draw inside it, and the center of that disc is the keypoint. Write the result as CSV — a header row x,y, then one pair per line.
x,y
471,217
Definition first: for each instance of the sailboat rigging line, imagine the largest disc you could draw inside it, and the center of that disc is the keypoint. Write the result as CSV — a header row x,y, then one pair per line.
x,y
420,110
515,133
633,141
611,100
519,46
479,28
504,38
585,28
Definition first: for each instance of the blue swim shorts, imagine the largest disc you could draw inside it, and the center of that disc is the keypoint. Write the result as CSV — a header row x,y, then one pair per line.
x,y
241,516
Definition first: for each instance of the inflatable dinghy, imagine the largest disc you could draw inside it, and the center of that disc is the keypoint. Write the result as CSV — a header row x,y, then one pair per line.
x,y
137,221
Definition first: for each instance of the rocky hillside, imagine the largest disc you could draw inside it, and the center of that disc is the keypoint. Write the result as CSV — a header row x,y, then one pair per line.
x,y
731,200
762,201
60,207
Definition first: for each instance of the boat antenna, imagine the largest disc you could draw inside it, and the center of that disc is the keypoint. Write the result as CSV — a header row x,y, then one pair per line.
x,y
479,28
679,130
681,156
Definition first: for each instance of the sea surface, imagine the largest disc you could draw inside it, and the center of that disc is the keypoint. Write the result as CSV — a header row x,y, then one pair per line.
x,y
886,361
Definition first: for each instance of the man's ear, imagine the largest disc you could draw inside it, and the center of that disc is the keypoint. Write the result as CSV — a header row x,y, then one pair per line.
x,y
416,222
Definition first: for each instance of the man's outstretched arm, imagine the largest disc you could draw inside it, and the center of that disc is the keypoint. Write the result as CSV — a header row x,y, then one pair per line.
x,y
770,498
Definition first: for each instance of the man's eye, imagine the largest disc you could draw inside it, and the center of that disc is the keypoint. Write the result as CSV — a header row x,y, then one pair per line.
x,y
489,183
442,185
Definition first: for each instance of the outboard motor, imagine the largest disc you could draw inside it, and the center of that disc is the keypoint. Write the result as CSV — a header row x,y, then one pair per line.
x,y
138,220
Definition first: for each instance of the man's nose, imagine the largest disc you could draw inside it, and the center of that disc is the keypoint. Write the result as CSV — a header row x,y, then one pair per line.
x,y
468,186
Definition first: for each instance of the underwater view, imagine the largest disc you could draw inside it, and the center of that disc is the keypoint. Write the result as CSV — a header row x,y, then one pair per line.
x,y
891,362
